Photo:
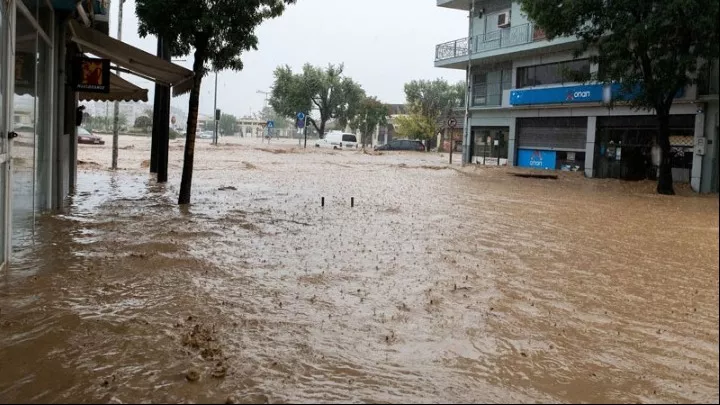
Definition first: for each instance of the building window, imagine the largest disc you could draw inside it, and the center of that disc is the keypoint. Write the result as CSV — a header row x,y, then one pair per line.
x,y
488,87
554,73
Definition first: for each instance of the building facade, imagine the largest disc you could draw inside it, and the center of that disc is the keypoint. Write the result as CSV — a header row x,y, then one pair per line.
x,y
41,46
533,105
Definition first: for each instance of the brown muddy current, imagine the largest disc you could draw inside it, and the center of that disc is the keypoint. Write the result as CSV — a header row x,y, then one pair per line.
x,y
442,284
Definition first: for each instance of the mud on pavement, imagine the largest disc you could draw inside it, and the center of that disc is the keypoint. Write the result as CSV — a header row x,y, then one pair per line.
x,y
439,285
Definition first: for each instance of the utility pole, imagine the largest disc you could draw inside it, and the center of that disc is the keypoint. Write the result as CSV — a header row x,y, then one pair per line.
x,y
116,116
467,153
215,117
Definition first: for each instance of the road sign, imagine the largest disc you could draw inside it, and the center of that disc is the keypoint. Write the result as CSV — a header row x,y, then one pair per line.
x,y
271,124
452,122
301,122
301,116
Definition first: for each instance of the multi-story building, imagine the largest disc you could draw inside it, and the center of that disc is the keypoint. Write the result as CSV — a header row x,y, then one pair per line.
x,y
532,104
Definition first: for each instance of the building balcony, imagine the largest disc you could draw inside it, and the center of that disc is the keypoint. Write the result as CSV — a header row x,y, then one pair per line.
x,y
456,4
495,44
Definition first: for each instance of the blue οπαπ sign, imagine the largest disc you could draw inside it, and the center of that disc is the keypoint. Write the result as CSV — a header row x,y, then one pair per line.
x,y
537,159
590,93
558,95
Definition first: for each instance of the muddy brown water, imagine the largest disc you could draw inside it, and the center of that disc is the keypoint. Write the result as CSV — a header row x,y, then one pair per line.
x,y
440,285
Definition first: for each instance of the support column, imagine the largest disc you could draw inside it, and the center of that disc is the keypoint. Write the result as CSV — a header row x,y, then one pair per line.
x,y
590,147
511,142
697,163
156,119
163,142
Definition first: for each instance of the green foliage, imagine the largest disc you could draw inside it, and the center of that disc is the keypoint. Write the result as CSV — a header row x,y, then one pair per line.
x,y
435,100
370,113
220,29
327,91
173,134
415,126
227,124
653,48
143,122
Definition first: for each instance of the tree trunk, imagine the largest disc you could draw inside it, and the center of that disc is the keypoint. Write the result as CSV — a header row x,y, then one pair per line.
x,y
665,181
186,182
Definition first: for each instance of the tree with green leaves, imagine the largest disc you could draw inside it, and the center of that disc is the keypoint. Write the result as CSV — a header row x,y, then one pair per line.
x,y
415,126
326,91
143,122
430,101
227,124
653,49
217,32
369,115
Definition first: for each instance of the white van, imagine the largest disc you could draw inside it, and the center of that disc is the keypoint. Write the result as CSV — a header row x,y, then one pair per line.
x,y
337,140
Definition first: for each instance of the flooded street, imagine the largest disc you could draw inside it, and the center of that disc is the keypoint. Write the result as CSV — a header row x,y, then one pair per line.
x,y
441,284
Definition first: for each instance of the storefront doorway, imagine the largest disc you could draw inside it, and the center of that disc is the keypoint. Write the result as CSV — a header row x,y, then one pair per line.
x,y
623,149
490,145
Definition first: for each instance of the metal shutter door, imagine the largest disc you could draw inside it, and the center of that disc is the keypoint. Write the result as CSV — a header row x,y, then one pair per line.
x,y
556,132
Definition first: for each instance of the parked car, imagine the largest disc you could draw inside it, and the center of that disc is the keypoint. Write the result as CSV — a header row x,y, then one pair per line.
x,y
206,135
85,136
402,144
337,140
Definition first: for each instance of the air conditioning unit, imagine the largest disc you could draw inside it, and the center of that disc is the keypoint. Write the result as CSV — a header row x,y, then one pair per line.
x,y
503,20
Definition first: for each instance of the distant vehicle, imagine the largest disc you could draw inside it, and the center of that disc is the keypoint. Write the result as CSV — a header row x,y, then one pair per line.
x,y
206,135
337,140
402,144
86,137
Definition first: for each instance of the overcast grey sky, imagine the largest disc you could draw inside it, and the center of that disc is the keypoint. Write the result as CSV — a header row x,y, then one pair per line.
x,y
383,44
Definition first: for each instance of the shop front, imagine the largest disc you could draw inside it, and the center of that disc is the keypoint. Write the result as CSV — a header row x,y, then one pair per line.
x,y
626,147
552,143
57,61
490,145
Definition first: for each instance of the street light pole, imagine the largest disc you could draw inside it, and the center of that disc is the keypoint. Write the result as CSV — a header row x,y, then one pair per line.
x,y
116,111
215,117
467,152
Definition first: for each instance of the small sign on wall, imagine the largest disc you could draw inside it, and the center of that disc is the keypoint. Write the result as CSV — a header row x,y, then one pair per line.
x,y
91,75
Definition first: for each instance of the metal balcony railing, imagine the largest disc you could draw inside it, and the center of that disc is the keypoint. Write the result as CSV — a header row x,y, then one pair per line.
x,y
504,38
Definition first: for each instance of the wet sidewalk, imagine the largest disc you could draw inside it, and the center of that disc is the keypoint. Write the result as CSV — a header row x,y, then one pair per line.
x,y
440,285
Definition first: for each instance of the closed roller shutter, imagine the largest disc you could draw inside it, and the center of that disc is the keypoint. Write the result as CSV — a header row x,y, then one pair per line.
x,y
556,133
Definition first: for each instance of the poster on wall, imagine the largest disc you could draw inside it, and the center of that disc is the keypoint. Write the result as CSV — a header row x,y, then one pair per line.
x,y
537,159
24,73
91,75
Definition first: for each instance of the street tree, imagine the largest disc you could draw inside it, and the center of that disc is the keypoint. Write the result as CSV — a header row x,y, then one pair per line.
x,y
653,49
217,32
326,91
143,123
227,124
415,126
369,115
435,101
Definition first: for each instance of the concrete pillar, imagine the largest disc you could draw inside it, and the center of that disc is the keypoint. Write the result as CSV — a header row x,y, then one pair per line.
x,y
511,142
697,165
709,180
590,147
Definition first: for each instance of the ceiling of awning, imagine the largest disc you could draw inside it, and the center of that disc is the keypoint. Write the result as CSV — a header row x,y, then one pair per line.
x,y
120,90
135,60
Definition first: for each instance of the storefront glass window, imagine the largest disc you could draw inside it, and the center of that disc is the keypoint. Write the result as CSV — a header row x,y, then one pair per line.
x,y
24,124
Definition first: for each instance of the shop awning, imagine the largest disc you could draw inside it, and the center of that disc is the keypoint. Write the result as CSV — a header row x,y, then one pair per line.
x,y
120,90
135,60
